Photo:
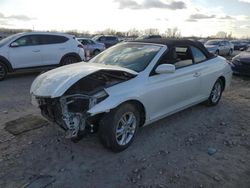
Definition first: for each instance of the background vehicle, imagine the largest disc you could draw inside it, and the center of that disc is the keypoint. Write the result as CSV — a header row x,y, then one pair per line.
x,y
92,46
148,37
240,44
38,49
241,63
108,40
220,47
130,85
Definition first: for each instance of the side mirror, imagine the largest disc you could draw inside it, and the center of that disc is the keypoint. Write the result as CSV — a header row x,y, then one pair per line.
x,y
14,44
165,68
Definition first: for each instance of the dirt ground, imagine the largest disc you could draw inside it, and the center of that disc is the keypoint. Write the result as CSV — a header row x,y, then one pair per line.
x,y
198,147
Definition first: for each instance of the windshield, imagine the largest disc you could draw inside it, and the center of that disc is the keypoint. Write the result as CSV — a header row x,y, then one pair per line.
x,y
7,40
95,38
212,42
133,56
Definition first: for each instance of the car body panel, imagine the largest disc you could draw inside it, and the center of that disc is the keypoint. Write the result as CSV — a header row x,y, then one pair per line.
x,y
241,63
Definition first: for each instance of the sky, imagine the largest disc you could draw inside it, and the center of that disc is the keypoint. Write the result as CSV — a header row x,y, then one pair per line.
x,y
192,17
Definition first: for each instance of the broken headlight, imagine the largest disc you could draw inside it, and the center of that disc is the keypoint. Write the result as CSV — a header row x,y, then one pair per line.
x,y
98,97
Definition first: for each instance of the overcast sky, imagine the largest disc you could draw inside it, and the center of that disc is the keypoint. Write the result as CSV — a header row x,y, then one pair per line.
x,y
192,17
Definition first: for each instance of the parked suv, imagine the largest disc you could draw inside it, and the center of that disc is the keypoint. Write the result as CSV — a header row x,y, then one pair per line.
x,y
38,49
93,46
108,40
220,47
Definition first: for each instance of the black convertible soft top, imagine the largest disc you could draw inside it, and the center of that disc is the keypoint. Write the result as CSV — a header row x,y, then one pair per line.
x,y
170,43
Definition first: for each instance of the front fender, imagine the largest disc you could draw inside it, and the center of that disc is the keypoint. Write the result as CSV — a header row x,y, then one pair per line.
x,y
110,103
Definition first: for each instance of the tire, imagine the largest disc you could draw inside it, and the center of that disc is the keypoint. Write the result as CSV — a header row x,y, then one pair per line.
x,y
217,52
69,60
115,131
215,94
3,71
230,52
96,52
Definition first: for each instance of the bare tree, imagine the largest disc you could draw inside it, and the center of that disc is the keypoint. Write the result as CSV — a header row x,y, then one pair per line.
x,y
173,33
134,33
151,31
221,35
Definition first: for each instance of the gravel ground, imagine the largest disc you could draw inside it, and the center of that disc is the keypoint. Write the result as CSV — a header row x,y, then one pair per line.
x,y
198,147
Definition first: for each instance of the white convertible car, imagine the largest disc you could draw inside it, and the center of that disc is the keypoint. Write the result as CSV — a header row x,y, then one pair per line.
x,y
128,86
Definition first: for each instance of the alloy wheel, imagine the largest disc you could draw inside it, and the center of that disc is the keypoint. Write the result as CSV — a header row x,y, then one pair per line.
x,y
216,92
125,128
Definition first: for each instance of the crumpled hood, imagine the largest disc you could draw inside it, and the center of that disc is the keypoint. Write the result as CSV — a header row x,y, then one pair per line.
x,y
54,83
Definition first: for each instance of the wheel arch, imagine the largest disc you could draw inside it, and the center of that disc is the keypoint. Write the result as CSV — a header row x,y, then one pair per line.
x,y
7,63
222,78
140,107
72,54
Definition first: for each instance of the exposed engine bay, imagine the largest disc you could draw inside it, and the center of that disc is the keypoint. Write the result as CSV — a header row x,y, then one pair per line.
x,y
70,110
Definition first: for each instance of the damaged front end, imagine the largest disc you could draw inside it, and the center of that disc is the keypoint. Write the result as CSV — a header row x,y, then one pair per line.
x,y
70,111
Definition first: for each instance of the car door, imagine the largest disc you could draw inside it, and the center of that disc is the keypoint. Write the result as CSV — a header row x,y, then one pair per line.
x,y
25,52
224,48
171,92
53,49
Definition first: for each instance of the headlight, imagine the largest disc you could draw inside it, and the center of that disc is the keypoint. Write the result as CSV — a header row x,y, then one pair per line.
x,y
98,97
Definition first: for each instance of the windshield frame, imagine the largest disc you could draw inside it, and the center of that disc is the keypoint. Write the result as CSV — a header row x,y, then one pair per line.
x,y
160,46
8,39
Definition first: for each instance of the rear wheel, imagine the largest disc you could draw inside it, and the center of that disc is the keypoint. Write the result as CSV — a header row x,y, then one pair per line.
x,y
215,94
3,71
69,60
96,52
119,127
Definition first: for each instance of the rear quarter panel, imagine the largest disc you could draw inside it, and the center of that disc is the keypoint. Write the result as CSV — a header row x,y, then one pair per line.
x,y
213,69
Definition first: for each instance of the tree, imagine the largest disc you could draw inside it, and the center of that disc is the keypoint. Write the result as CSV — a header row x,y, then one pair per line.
x,y
151,31
173,33
221,35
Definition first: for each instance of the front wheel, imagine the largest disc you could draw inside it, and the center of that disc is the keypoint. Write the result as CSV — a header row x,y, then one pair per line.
x,y
119,127
215,94
3,71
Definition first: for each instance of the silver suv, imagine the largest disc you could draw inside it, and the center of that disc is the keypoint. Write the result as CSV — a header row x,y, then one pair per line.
x,y
92,46
220,47
38,49
108,40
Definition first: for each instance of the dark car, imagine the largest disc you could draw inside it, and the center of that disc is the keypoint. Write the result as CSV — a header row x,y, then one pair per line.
x,y
143,37
240,45
241,63
108,40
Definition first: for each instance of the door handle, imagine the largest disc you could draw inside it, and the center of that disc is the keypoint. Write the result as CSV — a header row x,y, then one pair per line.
x,y
197,74
36,51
